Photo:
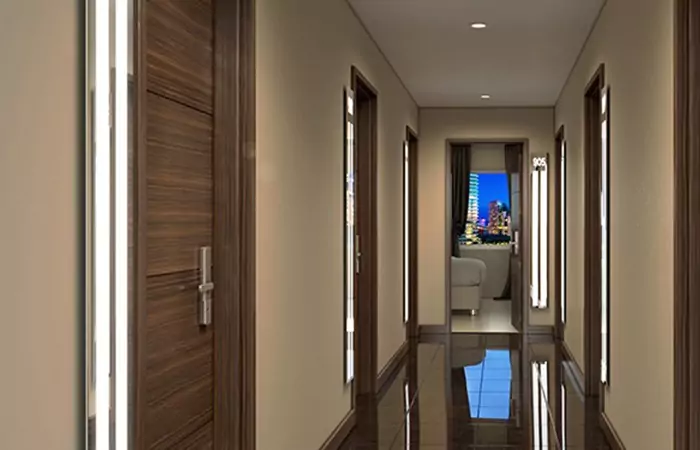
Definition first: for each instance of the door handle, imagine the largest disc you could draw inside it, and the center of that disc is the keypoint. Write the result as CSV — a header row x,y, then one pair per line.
x,y
205,287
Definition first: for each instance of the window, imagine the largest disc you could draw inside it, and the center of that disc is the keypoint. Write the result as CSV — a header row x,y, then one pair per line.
x,y
488,211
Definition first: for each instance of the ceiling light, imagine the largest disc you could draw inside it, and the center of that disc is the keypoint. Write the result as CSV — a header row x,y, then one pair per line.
x,y
485,97
478,25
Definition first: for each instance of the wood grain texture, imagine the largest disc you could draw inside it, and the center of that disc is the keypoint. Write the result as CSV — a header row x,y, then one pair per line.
x,y
592,234
559,277
366,171
180,51
180,185
234,224
686,231
412,325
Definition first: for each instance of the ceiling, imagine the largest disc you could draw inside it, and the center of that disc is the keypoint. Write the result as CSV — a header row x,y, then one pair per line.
x,y
522,57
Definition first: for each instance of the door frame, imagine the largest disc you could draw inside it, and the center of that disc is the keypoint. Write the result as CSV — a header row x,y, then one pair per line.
x,y
233,224
412,325
592,234
686,232
524,226
559,240
366,309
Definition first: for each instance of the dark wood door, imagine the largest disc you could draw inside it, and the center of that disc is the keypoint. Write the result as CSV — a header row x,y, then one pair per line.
x,y
175,364
516,251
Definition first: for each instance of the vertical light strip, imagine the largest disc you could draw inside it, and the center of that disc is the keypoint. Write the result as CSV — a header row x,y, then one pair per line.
x,y
536,426
407,411
604,224
544,237
406,230
102,207
350,252
563,416
544,399
121,223
562,232
535,246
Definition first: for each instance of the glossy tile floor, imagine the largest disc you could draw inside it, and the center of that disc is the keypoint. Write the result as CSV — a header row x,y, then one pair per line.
x,y
493,317
479,391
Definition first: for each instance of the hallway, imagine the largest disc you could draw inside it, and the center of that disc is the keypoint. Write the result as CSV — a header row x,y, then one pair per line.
x,y
485,402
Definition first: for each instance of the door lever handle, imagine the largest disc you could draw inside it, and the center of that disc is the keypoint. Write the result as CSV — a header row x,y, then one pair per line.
x,y
206,287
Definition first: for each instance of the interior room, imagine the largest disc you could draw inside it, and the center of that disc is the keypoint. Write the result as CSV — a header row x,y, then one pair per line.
x,y
486,218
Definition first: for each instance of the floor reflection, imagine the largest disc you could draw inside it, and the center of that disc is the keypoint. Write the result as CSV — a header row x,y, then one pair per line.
x,y
470,391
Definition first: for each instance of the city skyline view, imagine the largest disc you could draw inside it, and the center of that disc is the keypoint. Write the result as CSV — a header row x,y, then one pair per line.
x,y
492,187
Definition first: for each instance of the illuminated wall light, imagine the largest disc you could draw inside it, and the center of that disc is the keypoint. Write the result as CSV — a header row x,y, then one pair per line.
x,y
539,283
103,226
407,412
406,230
562,231
121,223
350,236
605,237
563,416
540,396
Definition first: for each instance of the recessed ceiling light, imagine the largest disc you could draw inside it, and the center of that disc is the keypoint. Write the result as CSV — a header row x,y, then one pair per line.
x,y
485,97
478,25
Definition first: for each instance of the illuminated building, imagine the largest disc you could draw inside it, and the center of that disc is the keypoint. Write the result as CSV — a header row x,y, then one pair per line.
x,y
473,210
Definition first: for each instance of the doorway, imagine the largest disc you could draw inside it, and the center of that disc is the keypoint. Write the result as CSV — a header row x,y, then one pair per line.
x,y
593,237
487,223
365,380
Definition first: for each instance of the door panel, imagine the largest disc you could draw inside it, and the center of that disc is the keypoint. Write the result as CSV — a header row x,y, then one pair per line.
x,y
176,408
180,51
180,194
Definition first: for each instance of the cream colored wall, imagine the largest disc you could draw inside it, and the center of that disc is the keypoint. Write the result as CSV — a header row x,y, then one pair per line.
x,y
305,50
634,38
437,125
40,182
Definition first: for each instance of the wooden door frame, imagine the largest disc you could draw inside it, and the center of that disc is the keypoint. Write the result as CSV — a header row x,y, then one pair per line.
x,y
233,225
412,325
559,277
524,226
366,311
592,234
686,232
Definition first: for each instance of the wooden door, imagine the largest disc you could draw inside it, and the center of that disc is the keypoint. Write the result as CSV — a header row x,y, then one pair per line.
x,y
175,363
516,179
366,209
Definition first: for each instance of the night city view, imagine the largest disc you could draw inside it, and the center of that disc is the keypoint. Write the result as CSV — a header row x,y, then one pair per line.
x,y
488,216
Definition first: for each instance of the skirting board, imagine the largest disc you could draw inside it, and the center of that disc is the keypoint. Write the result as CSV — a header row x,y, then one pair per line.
x,y
387,375
610,434
432,329
541,329
341,432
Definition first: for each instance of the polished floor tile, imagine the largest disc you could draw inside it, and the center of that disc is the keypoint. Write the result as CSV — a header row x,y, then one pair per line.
x,y
479,391
494,317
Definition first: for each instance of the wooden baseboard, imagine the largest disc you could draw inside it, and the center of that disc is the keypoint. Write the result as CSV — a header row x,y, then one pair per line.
x,y
388,373
341,432
541,329
432,329
574,369
610,434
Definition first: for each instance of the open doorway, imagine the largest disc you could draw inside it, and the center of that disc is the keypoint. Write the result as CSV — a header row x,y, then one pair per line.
x,y
486,217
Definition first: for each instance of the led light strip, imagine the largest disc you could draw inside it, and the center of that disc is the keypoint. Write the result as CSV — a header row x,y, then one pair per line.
x,y
406,230
350,237
540,253
102,224
407,411
604,251
562,225
121,186
540,396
